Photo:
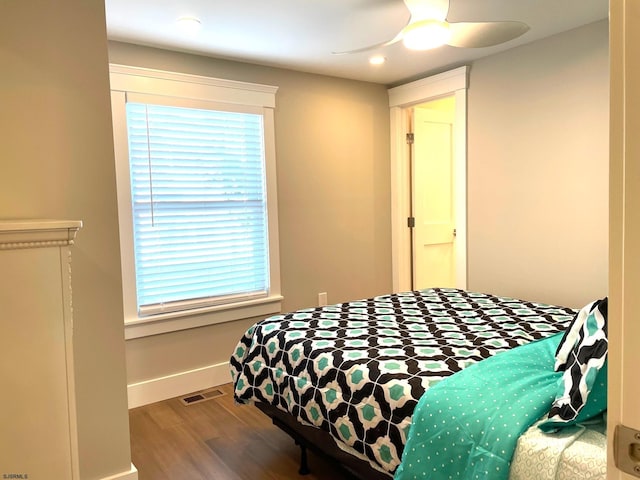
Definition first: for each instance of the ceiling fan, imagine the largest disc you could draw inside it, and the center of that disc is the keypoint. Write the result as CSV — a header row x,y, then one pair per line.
x,y
428,28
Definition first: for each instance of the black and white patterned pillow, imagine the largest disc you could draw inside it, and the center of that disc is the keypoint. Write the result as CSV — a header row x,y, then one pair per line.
x,y
582,355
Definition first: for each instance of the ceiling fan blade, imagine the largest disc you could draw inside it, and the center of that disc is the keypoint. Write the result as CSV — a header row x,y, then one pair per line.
x,y
484,34
395,39
377,19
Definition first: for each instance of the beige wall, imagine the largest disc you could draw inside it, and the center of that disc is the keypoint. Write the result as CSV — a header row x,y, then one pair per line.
x,y
56,157
332,149
538,169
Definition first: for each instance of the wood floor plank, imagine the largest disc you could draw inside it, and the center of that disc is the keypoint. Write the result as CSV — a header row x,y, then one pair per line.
x,y
164,415
216,440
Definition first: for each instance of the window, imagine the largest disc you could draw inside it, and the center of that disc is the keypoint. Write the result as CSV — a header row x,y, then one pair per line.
x,y
196,198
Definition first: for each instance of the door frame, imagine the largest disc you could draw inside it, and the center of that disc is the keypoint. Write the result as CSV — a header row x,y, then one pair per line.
x,y
624,226
454,82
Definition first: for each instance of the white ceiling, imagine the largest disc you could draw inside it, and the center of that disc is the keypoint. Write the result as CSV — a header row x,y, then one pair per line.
x,y
301,34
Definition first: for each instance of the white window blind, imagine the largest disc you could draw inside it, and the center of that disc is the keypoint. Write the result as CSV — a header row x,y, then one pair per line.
x,y
198,205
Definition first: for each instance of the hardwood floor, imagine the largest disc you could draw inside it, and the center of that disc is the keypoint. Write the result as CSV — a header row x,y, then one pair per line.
x,y
216,440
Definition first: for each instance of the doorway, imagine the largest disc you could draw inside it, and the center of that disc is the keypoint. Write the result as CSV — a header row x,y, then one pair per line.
x,y
401,100
432,184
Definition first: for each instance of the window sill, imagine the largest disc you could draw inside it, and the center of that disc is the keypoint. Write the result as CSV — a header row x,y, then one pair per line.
x,y
138,327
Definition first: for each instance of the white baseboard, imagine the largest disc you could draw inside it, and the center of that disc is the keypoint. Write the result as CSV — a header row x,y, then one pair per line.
x,y
161,388
131,474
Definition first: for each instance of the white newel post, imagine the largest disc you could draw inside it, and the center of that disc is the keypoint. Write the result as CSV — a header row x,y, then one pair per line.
x,y
38,434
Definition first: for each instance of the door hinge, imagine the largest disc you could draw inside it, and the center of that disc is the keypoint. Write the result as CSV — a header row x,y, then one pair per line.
x,y
410,138
411,222
626,445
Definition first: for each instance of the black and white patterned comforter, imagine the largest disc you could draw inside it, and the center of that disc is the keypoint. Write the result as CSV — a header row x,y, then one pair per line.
x,y
358,369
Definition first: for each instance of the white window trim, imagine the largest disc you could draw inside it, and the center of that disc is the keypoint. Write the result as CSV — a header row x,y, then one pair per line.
x,y
169,84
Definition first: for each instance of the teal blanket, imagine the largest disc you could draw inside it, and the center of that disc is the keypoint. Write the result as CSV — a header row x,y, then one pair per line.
x,y
467,426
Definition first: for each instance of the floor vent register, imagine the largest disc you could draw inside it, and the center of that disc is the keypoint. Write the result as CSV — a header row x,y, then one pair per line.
x,y
201,396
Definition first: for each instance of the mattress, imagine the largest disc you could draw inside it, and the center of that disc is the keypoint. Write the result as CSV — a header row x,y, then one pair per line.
x,y
357,370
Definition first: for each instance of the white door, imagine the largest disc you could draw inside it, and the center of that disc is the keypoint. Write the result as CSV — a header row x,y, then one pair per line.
x,y
401,99
433,195
624,232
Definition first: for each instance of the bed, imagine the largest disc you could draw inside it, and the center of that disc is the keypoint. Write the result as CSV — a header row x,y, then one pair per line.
x,y
346,379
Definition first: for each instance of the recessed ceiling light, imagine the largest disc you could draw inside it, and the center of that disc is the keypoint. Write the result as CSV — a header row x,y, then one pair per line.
x,y
377,60
189,25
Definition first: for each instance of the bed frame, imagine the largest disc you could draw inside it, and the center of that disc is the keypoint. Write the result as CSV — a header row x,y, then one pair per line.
x,y
322,443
